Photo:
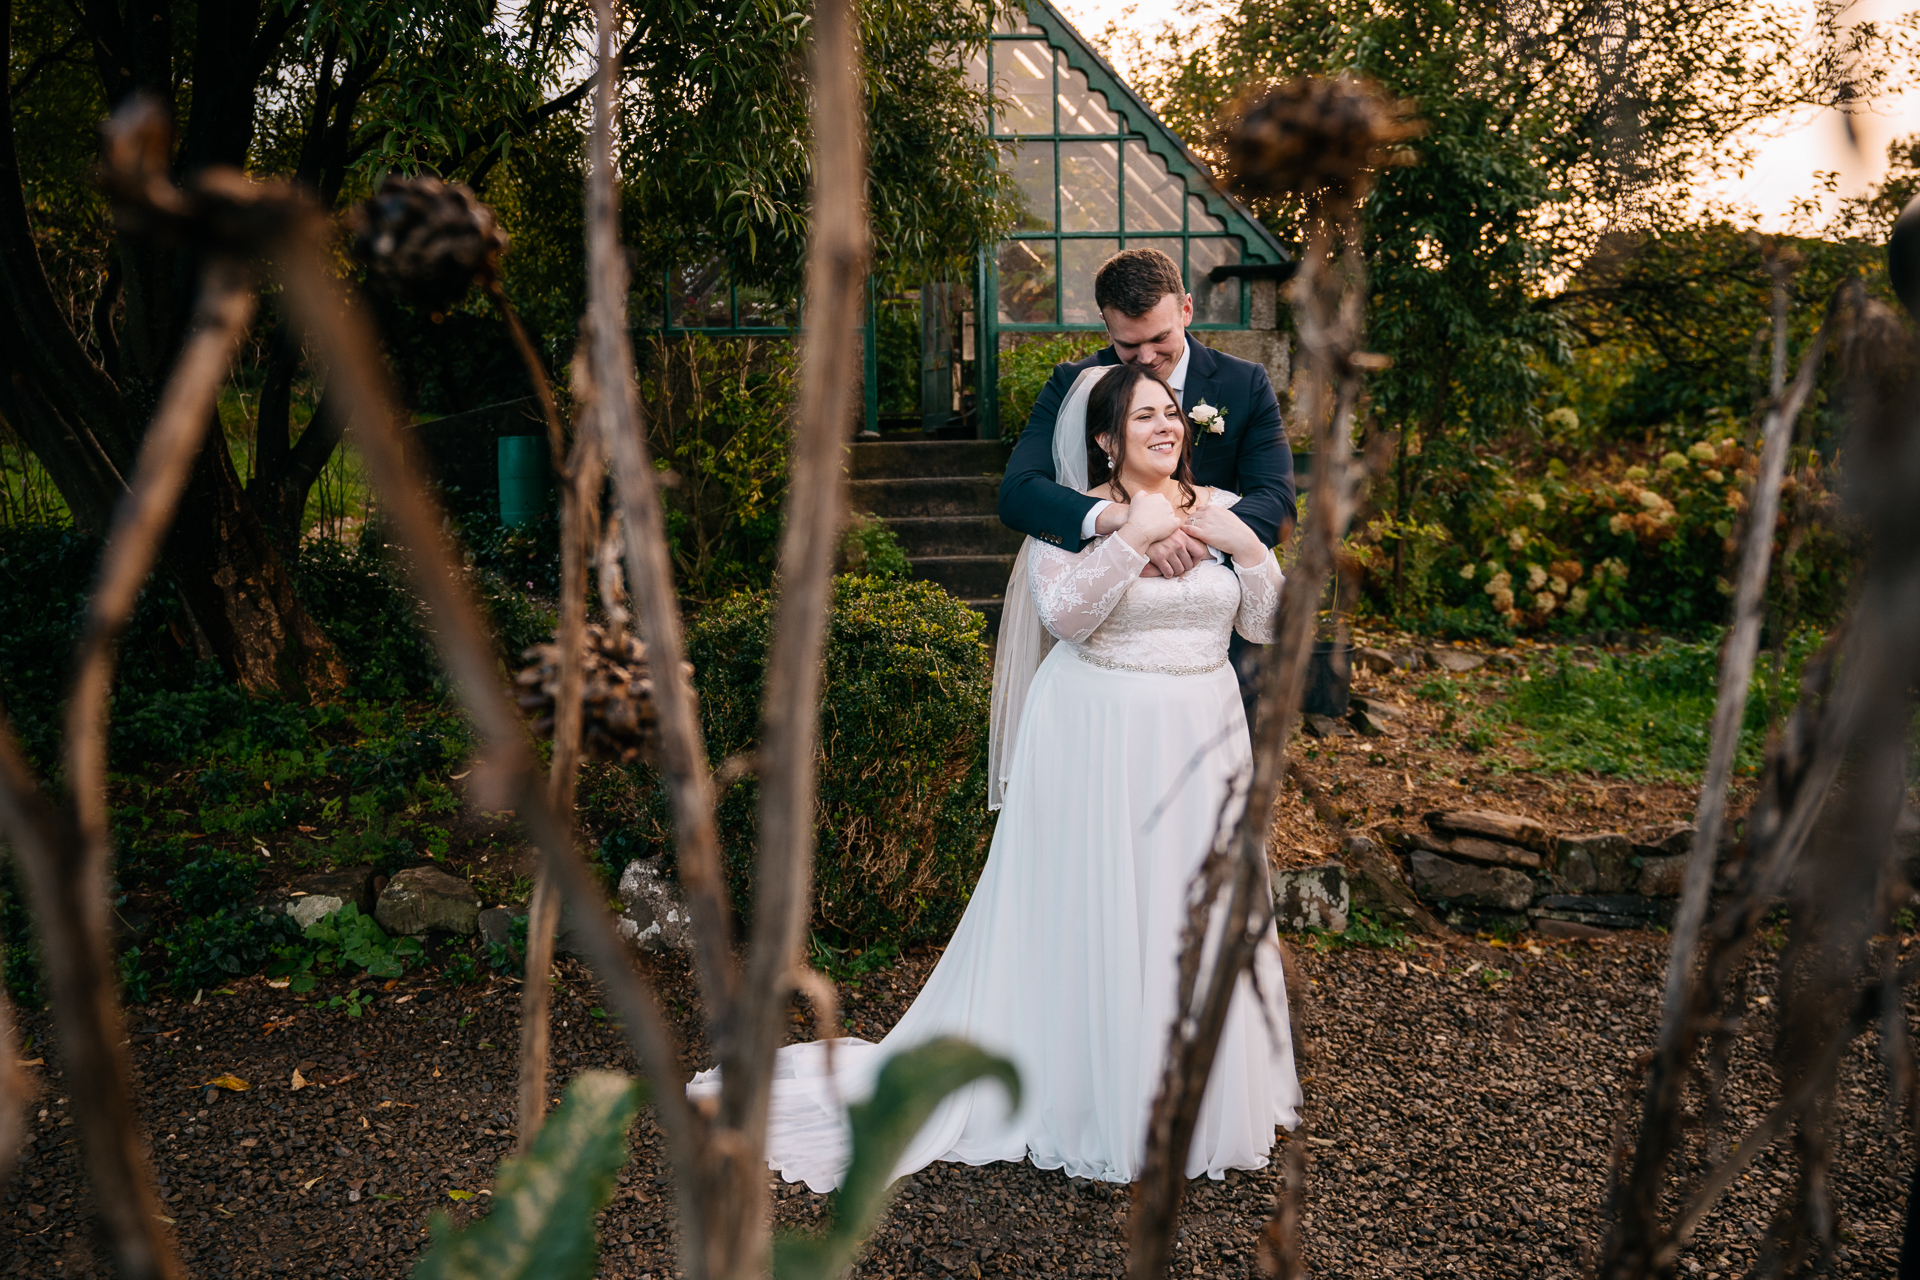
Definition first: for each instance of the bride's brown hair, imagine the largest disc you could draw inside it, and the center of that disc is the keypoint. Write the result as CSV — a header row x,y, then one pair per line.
x,y
1107,408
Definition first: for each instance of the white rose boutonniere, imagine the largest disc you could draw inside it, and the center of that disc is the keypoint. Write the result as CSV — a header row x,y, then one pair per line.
x,y
1205,416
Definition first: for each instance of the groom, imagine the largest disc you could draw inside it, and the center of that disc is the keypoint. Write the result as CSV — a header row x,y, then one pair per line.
x,y
1242,449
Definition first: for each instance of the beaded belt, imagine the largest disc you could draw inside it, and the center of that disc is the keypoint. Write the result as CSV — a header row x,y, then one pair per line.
x,y
1197,670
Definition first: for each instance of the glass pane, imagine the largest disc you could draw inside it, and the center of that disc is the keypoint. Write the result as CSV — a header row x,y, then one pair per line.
x,y
1031,164
1172,246
1017,25
760,308
1023,74
1199,221
1089,186
1213,303
700,298
1026,281
1081,109
1153,194
1079,260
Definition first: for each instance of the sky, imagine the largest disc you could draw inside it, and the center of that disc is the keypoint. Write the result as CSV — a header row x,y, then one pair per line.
x,y
1791,152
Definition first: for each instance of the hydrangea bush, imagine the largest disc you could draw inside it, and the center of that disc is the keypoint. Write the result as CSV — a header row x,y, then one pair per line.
x,y
1616,543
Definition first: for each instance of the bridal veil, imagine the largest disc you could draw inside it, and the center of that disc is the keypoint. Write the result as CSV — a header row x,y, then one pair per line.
x,y
1024,642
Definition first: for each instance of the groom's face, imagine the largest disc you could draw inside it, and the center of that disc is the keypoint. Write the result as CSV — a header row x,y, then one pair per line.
x,y
1154,341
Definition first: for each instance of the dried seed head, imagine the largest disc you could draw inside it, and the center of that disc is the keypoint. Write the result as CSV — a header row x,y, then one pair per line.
x,y
426,240
1314,137
620,721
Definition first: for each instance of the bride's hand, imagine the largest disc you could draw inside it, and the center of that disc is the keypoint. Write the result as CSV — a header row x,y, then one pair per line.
x,y
1218,527
1150,518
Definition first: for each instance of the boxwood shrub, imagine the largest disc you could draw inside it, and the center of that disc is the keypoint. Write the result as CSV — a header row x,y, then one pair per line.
x,y
903,821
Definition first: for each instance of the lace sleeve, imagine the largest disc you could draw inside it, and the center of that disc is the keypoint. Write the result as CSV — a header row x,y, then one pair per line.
x,y
1259,616
1075,591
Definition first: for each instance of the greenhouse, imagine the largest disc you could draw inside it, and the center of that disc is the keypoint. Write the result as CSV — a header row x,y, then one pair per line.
x,y
1099,173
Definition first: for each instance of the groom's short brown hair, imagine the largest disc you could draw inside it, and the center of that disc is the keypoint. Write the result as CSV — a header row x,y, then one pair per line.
x,y
1133,281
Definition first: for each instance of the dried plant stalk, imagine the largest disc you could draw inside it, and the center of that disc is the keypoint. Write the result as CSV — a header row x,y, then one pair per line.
x,y
616,415
836,278
507,773
1826,848
1329,300
580,476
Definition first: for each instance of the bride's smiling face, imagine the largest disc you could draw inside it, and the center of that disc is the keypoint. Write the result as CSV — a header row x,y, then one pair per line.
x,y
1156,433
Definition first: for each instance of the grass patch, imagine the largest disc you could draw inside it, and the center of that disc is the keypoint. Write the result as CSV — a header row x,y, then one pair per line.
x,y
1647,716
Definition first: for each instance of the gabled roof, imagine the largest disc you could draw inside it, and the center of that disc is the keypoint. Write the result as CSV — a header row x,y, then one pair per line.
x,y
1261,246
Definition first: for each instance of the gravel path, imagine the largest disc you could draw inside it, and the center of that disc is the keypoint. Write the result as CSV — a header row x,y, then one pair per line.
x,y
1460,1123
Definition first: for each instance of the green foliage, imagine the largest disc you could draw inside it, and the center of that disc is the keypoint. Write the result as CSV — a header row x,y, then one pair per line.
x,y
353,1004
1488,291
462,969
136,984
19,944
896,327
720,172
1678,328
902,817
541,1226
510,957
230,943
1464,624
847,965
1648,716
719,416
45,573
1616,544
869,549
910,1086
216,878
348,938
1024,371
1366,927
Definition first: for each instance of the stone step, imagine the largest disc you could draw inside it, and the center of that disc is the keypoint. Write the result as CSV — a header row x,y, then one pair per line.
x,y
925,496
955,536
915,459
968,577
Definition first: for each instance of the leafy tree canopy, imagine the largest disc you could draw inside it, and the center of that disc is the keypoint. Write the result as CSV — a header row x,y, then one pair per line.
x,y
1546,124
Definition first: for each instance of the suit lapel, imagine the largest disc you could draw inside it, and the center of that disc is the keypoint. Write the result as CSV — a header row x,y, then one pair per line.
x,y
1199,376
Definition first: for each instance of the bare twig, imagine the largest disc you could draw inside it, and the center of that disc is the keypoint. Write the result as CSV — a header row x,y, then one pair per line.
x,y
1850,723
783,883
616,411
507,770
580,476
1329,302
1679,1030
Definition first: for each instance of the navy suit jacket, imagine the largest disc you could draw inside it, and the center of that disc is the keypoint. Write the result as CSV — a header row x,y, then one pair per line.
x,y
1250,457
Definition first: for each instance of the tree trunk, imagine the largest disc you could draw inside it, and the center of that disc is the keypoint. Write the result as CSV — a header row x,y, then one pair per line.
x,y
85,426
237,587
284,469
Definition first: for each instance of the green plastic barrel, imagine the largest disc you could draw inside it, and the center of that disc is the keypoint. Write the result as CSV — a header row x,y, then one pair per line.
x,y
523,479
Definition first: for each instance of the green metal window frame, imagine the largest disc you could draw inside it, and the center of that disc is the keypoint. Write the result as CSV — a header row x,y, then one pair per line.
x,y
1137,123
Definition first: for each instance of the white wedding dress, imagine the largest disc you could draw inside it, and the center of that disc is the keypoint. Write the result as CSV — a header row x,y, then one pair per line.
x,y
1130,741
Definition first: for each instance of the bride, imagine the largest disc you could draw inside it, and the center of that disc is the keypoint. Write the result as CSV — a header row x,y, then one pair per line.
x,y
1115,754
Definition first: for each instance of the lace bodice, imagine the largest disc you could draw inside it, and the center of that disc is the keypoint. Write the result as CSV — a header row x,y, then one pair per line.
x,y
1096,601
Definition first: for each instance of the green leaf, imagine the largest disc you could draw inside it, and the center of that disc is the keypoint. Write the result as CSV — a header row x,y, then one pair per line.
x,y
541,1226
909,1088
